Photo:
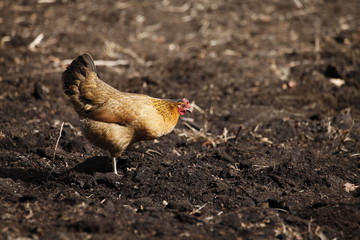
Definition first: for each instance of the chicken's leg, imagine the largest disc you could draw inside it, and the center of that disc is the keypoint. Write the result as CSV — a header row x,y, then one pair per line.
x,y
114,165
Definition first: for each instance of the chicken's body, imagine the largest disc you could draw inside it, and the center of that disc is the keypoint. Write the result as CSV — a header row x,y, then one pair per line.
x,y
114,120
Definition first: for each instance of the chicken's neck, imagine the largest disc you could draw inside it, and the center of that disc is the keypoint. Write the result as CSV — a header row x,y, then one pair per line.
x,y
167,109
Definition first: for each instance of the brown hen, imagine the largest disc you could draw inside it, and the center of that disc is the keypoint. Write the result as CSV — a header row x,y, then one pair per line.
x,y
114,120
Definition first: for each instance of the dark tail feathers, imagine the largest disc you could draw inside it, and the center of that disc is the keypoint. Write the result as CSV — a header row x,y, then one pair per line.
x,y
87,61
77,66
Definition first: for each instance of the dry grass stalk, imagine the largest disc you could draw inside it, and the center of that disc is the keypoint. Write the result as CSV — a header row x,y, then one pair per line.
x,y
194,135
36,41
58,139
112,47
262,138
106,63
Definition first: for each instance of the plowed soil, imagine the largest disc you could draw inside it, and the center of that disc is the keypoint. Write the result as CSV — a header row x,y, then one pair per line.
x,y
271,150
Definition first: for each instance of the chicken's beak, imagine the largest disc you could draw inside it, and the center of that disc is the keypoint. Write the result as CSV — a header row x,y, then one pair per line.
x,y
189,107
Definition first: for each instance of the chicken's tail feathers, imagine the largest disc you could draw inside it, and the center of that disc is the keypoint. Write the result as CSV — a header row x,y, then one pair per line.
x,y
76,72
87,61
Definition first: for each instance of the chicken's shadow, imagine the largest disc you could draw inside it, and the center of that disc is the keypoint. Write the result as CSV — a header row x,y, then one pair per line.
x,y
97,164
93,164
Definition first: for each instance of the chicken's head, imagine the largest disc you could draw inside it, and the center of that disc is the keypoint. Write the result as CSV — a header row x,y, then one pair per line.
x,y
184,106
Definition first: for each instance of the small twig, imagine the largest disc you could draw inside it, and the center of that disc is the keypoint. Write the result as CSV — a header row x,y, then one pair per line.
x,y
176,9
3,40
319,233
225,135
238,132
46,1
205,128
58,139
124,5
111,46
261,138
301,12
106,63
197,210
298,3
36,41
28,208
196,107
191,127
111,63
51,171
56,145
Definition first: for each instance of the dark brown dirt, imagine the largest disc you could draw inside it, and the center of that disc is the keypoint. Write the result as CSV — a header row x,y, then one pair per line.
x,y
272,151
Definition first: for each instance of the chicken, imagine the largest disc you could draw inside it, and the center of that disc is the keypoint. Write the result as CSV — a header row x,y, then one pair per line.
x,y
114,120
